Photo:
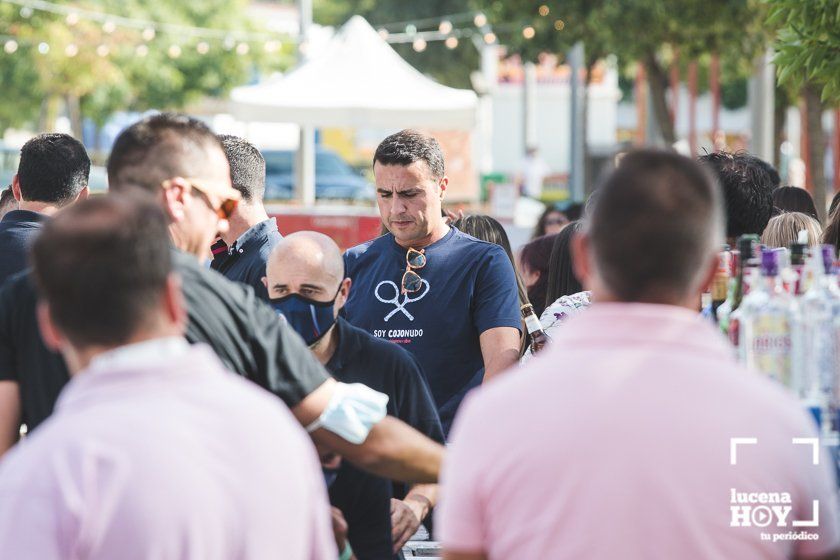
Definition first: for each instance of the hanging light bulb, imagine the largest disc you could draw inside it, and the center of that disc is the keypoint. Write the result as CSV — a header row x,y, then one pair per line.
x,y
384,34
242,49
229,43
43,48
544,11
142,50
72,18
559,25
109,27
10,46
148,34
419,44
202,48
174,51
71,50
411,29
480,20
529,32
272,47
451,42
490,38
26,12
103,50
445,27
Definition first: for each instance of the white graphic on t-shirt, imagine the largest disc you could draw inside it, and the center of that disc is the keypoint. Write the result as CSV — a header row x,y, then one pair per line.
x,y
396,299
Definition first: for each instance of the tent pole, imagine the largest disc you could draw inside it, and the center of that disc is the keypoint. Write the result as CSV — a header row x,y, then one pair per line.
x,y
305,187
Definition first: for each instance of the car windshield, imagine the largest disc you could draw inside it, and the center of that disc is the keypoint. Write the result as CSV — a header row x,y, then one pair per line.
x,y
278,163
283,163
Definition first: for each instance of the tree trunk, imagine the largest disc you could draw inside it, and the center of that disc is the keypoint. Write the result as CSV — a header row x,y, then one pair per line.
x,y
588,172
779,120
816,147
50,108
658,82
74,112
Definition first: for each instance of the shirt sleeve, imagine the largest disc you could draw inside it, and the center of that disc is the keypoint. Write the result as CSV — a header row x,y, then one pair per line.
x,y
247,334
459,516
29,514
495,296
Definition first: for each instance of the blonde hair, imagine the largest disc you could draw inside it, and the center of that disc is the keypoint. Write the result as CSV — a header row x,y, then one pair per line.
x,y
783,230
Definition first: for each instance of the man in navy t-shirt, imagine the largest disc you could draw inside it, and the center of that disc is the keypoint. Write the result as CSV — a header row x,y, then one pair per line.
x,y
446,297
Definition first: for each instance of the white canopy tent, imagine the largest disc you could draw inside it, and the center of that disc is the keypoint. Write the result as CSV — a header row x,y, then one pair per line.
x,y
357,80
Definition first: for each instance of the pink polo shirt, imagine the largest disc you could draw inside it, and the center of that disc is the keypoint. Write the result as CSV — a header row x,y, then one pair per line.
x,y
617,442
155,452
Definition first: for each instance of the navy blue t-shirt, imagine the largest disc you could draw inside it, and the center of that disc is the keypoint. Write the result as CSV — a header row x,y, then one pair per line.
x,y
468,287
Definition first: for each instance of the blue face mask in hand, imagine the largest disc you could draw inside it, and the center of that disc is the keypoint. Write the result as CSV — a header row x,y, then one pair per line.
x,y
311,319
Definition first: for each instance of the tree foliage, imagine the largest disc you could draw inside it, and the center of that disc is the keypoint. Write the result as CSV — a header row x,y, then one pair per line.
x,y
99,69
449,67
808,44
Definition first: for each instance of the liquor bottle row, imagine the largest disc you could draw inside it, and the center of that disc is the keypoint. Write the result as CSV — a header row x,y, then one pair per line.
x,y
781,309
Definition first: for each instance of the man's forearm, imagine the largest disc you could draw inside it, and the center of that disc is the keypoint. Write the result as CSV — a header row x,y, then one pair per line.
x,y
392,450
9,415
421,499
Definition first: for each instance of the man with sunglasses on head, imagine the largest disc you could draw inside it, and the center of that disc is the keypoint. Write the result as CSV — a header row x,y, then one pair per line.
x,y
446,297
181,162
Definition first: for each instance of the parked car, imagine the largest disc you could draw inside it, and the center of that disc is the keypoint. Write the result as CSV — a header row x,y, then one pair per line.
x,y
334,178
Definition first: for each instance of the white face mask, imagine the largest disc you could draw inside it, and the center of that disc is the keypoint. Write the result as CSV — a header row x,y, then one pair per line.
x,y
352,412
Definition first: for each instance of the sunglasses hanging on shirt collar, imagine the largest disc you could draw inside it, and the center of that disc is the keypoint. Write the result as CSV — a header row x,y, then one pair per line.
x,y
411,281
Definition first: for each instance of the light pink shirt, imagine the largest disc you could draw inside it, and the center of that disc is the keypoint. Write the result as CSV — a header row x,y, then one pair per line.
x,y
156,453
616,443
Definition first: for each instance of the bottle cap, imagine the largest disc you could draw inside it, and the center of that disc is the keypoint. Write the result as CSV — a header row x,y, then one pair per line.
x,y
769,262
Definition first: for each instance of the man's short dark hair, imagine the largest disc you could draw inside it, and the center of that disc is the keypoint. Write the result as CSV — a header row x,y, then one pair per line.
x,y
657,223
102,267
158,148
407,146
53,168
247,167
748,184
6,197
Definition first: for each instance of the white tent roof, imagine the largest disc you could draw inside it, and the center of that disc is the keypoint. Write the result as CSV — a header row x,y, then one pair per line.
x,y
357,81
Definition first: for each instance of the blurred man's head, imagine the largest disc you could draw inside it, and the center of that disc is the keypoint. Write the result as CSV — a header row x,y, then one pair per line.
x,y
748,184
104,271
7,201
305,281
180,161
53,170
410,185
247,168
654,234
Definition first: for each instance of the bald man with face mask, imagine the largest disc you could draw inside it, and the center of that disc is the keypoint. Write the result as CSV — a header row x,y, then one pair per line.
x,y
306,284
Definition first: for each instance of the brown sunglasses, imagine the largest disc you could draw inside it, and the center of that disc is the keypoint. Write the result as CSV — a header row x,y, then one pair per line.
x,y
411,281
224,210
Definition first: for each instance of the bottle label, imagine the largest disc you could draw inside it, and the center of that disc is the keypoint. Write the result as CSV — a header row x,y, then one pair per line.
x,y
719,288
771,346
532,324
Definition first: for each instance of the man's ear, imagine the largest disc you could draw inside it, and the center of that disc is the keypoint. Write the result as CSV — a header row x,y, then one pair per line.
x,y
264,280
16,188
174,199
83,194
442,186
53,339
343,294
709,275
581,259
